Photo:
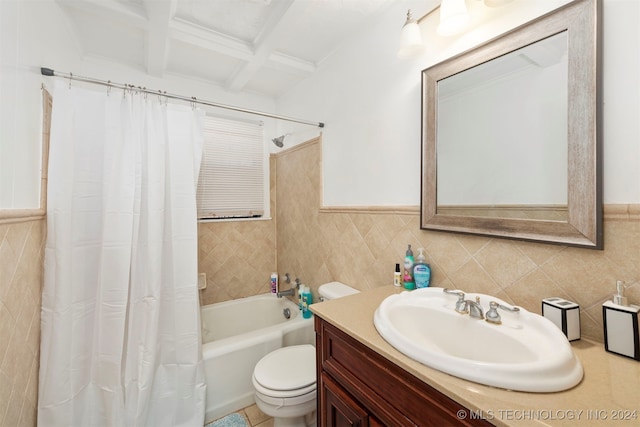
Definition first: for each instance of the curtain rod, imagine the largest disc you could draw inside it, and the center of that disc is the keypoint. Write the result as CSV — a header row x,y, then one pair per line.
x,y
70,76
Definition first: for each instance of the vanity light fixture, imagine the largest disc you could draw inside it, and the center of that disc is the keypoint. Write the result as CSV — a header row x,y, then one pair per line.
x,y
410,38
454,18
496,3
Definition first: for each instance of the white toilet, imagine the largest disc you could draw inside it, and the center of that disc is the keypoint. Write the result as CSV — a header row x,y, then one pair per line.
x,y
285,379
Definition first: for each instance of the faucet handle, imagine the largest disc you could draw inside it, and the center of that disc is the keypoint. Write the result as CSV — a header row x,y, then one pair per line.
x,y
460,294
493,316
461,305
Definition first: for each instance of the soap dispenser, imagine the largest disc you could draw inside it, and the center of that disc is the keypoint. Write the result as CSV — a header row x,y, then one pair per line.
x,y
620,320
421,270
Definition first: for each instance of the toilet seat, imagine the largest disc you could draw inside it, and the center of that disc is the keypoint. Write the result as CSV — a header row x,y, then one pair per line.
x,y
282,401
288,372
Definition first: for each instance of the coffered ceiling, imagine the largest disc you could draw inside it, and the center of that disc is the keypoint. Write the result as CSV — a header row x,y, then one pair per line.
x,y
256,46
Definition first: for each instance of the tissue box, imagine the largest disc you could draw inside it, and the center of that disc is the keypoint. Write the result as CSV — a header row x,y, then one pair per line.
x,y
621,334
564,314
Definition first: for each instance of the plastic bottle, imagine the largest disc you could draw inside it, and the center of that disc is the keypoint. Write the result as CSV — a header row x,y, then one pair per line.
x,y
397,276
274,283
421,270
300,293
408,270
307,300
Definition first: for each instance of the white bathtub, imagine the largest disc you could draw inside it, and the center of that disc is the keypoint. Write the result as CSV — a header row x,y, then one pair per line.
x,y
235,336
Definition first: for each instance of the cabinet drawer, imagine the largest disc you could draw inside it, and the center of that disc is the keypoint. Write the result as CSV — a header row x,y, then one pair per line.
x,y
340,409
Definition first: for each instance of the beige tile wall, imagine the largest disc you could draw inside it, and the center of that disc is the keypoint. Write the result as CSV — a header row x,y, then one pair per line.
x,y
21,254
360,248
237,256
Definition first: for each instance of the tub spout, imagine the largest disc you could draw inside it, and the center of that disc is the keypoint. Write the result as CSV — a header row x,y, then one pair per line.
x,y
288,292
292,291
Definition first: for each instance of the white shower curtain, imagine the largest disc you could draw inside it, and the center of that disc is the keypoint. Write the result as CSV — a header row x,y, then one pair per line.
x,y
120,339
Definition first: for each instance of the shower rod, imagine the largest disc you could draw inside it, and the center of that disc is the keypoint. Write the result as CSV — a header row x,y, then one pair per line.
x,y
70,76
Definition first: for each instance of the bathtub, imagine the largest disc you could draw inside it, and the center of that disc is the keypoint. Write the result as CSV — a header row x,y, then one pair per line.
x,y
235,336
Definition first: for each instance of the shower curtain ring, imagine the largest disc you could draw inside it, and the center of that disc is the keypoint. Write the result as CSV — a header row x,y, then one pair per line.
x,y
70,78
109,87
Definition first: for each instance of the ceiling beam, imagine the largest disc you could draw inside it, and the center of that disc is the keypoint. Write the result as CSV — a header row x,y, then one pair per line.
x,y
195,35
264,45
291,64
160,14
192,34
129,14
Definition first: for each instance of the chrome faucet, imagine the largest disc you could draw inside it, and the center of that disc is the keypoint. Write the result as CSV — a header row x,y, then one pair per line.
x,y
288,292
461,305
493,316
465,306
292,290
474,309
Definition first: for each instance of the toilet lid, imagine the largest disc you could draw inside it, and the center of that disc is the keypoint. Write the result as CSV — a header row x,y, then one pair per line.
x,y
287,368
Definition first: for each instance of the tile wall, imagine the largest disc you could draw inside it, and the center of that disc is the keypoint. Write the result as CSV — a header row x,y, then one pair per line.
x,y
361,247
21,254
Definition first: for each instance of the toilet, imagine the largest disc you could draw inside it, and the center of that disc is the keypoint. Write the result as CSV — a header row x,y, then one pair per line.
x,y
285,379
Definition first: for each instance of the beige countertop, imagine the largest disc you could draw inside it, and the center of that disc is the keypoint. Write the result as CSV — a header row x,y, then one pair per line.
x,y
609,393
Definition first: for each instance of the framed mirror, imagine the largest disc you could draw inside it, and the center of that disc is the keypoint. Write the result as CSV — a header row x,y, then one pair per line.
x,y
511,134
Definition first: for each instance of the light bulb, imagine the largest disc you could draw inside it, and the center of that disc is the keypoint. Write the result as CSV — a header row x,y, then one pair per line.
x,y
453,17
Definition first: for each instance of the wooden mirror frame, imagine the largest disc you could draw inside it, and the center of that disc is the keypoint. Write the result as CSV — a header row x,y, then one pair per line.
x,y
584,225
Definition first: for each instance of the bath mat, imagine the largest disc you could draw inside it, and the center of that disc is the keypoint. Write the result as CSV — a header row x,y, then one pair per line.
x,y
233,420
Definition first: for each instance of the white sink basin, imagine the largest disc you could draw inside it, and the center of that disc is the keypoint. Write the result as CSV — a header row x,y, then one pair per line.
x,y
526,352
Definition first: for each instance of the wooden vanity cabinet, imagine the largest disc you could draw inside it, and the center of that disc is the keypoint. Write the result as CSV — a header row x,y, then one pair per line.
x,y
359,387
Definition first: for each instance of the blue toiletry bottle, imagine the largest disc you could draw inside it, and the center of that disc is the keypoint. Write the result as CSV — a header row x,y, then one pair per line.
x,y
307,300
408,270
421,270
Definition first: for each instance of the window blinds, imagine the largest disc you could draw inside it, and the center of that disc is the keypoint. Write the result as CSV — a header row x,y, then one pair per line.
x,y
231,181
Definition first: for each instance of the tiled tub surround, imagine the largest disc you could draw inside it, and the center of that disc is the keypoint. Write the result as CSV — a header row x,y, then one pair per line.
x,y
237,257
360,247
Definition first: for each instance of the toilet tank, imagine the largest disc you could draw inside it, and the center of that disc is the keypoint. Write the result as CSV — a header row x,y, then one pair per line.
x,y
333,290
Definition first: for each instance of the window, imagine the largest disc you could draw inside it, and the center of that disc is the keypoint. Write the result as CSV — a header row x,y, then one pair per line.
x,y
232,173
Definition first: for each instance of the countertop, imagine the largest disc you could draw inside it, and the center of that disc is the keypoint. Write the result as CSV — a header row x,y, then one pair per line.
x,y
609,393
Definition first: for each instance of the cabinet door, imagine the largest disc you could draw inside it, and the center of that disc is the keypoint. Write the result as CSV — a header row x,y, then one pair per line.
x,y
339,408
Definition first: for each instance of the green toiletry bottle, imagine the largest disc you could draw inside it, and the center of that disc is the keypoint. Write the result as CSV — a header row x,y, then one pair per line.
x,y
307,300
408,270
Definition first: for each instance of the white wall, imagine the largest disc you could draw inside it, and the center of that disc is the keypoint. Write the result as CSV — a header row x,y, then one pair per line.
x,y
370,101
35,33
368,98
